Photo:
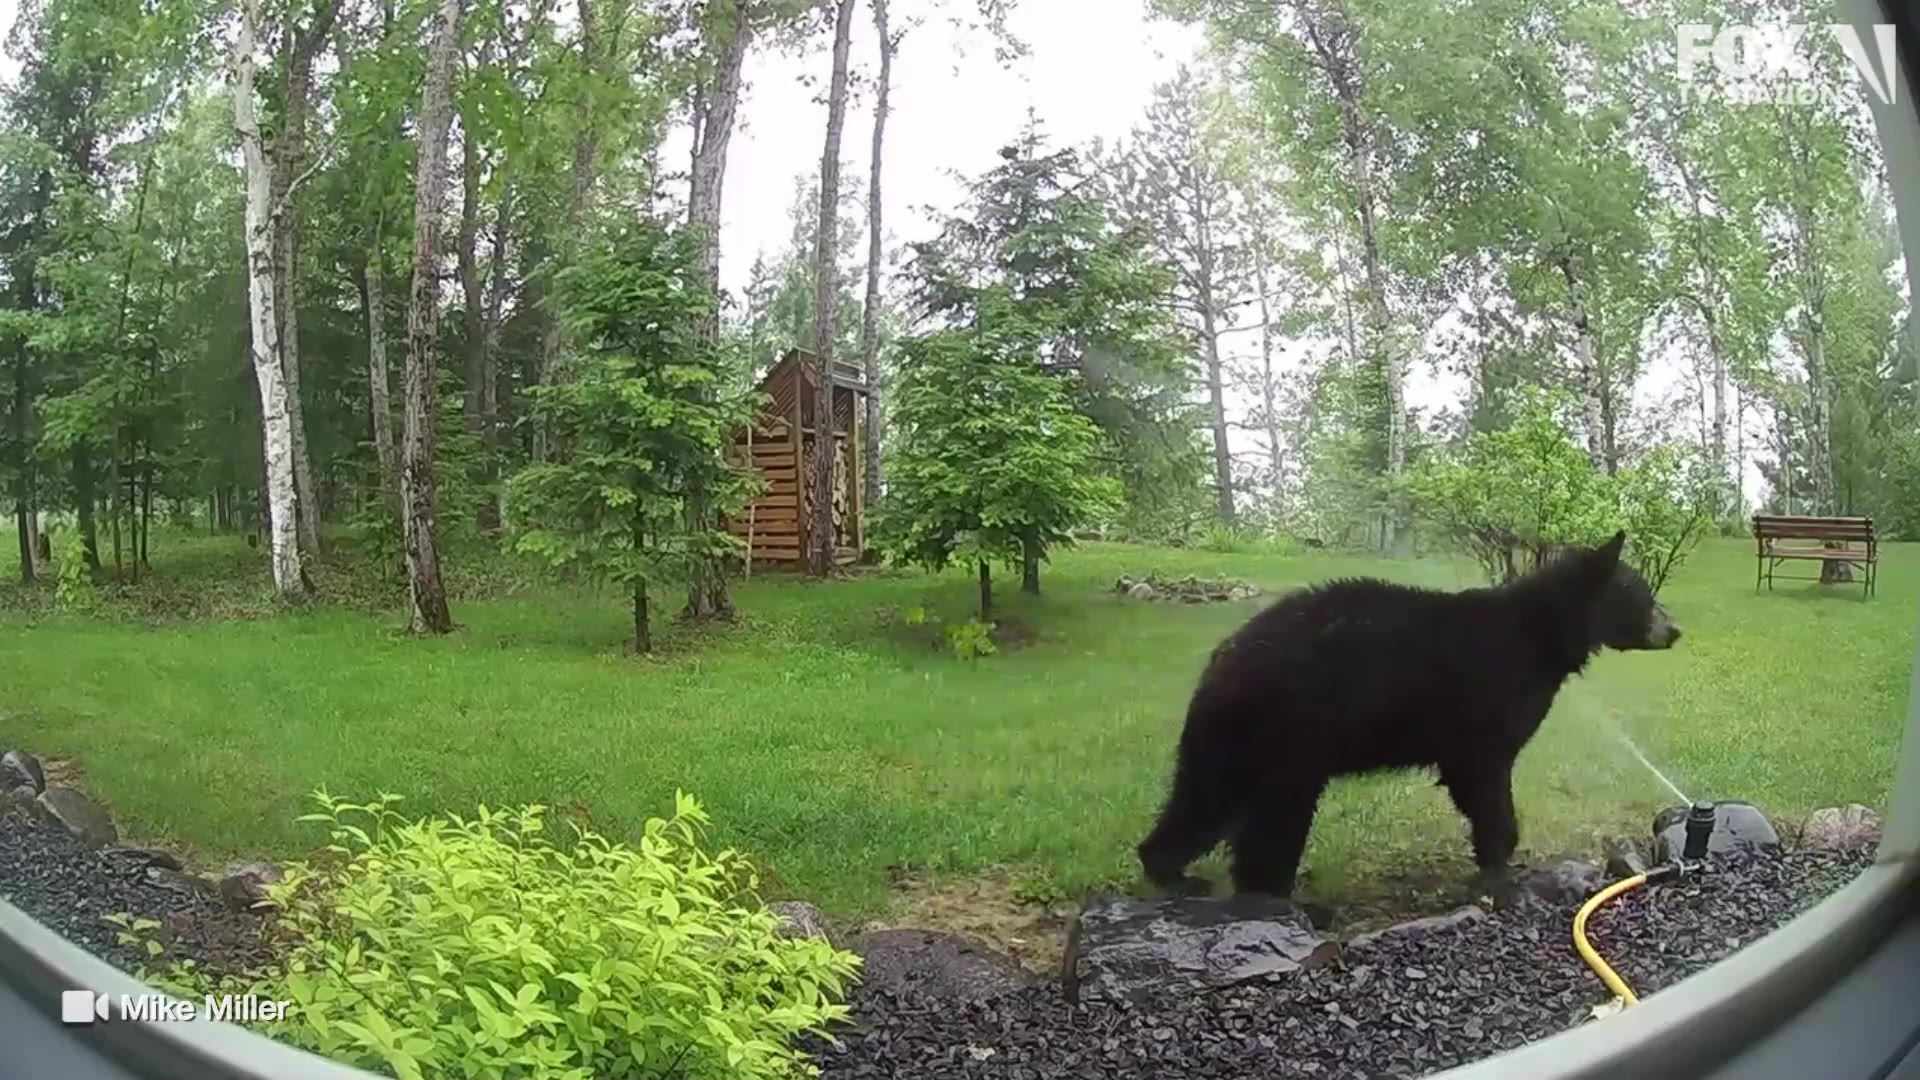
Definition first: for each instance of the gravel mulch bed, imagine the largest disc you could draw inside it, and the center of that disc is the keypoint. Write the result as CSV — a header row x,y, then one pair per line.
x,y
1402,1007
71,890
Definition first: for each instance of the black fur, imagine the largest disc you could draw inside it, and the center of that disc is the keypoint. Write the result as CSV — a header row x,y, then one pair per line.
x,y
1361,675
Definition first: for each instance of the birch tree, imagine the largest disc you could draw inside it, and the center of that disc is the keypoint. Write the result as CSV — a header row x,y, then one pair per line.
x,y
887,44
262,218
427,595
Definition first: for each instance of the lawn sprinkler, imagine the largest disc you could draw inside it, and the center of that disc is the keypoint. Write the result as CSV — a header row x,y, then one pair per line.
x,y
1700,818
1691,862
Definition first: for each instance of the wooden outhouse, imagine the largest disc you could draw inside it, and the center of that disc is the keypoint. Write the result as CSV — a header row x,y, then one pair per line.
x,y
779,445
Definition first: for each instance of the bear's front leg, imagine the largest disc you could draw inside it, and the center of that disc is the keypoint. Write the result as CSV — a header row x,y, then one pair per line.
x,y
1484,796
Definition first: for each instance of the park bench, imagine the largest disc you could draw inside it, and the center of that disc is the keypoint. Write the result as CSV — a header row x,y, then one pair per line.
x,y
1845,540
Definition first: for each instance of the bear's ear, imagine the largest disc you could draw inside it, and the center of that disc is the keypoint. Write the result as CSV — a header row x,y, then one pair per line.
x,y
1607,555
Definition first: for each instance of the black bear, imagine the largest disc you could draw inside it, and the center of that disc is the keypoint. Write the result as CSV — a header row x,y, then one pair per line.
x,y
1360,675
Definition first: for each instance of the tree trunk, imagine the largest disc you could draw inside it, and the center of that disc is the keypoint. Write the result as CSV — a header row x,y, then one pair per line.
x,y
986,592
306,506
288,159
373,302
469,264
1030,562
430,614
1717,431
826,290
1359,146
489,353
85,499
146,504
870,309
642,623
26,521
1275,459
1739,455
1217,413
1333,42
116,500
707,596
275,426
585,147
1593,388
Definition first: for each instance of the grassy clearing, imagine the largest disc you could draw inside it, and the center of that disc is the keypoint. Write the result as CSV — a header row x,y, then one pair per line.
x,y
839,747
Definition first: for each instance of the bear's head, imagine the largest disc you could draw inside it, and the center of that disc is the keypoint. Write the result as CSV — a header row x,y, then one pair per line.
x,y
1623,613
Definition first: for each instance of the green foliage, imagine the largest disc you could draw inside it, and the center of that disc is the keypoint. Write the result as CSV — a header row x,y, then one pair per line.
x,y
1900,479
989,453
1038,246
1508,497
449,947
73,588
639,420
1666,504
971,640
1245,540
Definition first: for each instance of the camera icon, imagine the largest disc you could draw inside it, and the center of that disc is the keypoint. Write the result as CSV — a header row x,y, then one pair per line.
x,y
82,1006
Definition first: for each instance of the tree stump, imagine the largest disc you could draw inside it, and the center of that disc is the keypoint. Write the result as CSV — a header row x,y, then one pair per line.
x,y
1833,572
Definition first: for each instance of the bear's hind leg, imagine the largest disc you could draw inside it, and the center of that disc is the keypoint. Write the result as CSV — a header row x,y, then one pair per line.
x,y
1192,821
1272,836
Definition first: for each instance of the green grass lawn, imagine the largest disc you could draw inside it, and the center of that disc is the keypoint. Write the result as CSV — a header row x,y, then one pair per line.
x,y
833,745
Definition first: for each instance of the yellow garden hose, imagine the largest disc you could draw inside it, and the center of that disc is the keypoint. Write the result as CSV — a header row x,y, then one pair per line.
x,y
1699,831
1585,948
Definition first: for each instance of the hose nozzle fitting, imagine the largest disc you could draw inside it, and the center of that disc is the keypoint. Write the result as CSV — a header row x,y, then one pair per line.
x,y
1700,820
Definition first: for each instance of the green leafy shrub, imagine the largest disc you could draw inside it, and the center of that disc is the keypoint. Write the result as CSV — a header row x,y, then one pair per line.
x,y
457,948
73,586
1242,540
971,640
1666,506
1509,497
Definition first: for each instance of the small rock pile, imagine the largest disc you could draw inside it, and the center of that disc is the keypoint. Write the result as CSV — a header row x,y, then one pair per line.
x,y
1188,590
61,862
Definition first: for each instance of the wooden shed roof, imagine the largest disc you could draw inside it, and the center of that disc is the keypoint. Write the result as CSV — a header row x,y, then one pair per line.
x,y
800,363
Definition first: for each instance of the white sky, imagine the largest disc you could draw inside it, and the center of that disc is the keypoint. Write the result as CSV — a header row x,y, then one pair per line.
x,y
1090,72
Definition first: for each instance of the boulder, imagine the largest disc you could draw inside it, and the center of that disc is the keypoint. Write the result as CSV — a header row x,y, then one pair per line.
x,y
244,884
1740,831
1123,948
184,884
23,796
940,965
139,858
1418,928
799,919
1841,828
1623,858
79,815
1562,881
18,767
1140,590
1242,592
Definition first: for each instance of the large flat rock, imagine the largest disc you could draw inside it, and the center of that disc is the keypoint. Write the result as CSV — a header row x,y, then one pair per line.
x,y
1852,827
1124,948
79,815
